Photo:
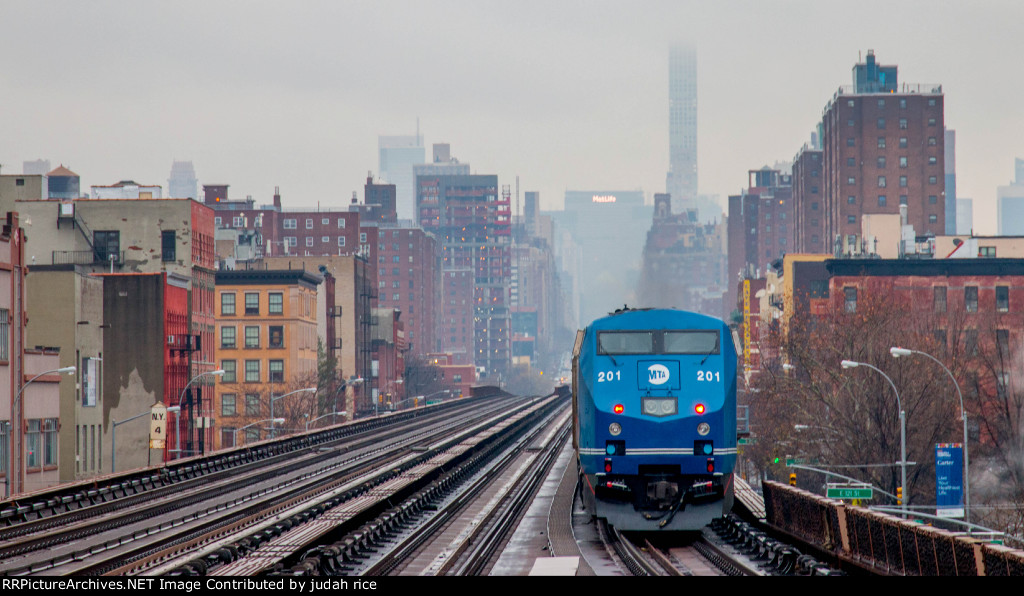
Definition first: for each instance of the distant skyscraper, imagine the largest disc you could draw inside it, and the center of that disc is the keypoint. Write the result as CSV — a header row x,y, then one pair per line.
x,y
182,184
951,205
398,154
1010,204
964,216
681,181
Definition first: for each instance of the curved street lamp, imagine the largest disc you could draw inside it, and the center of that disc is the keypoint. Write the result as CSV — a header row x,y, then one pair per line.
x,y
903,426
308,422
113,433
273,431
177,419
70,370
896,352
272,421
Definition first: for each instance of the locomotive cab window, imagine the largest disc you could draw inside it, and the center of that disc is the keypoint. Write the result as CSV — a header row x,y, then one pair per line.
x,y
691,342
619,342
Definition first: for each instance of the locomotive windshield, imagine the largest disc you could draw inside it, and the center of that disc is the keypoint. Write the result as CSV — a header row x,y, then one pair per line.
x,y
697,342
691,342
620,342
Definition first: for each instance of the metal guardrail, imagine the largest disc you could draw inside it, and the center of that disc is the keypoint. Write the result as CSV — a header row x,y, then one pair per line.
x,y
86,257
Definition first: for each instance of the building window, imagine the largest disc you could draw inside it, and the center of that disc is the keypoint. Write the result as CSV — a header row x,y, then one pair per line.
x,y
341,241
933,199
932,141
227,436
932,179
167,245
252,336
933,218
850,122
814,206
882,200
107,246
291,241
881,182
903,142
903,199
5,335
851,200
227,337
252,303
971,342
971,298
341,223
252,404
277,371
881,103
850,295
289,224
903,181
851,180
309,241
228,366
931,122
325,221
276,339
227,404
252,371
1003,342
1003,298
849,142
325,238
362,237
881,161
216,222
881,142
238,221
309,224
881,123
50,426
931,102
850,103
933,160
903,103
851,162
851,219
276,300
939,299
903,124
903,161
32,440
987,251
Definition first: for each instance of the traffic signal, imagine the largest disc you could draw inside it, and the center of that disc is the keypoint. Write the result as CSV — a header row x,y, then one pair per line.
x,y
792,478
899,495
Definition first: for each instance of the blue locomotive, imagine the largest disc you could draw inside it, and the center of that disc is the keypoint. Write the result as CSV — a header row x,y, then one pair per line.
x,y
654,418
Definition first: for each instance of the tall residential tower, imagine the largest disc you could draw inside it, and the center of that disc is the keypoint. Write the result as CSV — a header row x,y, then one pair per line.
x,y
681,181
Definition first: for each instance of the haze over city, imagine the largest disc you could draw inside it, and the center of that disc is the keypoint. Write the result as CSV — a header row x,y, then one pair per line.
x,y
565,95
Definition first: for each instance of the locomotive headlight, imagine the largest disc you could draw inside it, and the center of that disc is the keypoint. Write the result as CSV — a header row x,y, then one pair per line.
x,y
616,430
660,406
703,429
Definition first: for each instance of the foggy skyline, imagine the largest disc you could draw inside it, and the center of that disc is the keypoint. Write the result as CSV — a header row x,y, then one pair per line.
x,y
567,95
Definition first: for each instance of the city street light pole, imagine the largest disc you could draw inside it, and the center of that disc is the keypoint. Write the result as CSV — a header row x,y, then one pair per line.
x,y
15,416
896,353
273,431
270,420
308,422
177,419
113,433
903,426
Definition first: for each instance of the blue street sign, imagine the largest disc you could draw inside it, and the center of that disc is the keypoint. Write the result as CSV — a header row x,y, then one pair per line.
x,y
949,479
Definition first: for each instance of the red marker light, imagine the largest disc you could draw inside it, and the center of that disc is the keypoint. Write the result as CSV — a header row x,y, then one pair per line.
x,y
618,409
711,466
699,408
608,484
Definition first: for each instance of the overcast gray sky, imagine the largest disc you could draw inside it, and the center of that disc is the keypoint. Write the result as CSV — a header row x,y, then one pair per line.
x,y
565,94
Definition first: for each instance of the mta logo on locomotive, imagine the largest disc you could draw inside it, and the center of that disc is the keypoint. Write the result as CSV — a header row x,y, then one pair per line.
x,y
657,374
